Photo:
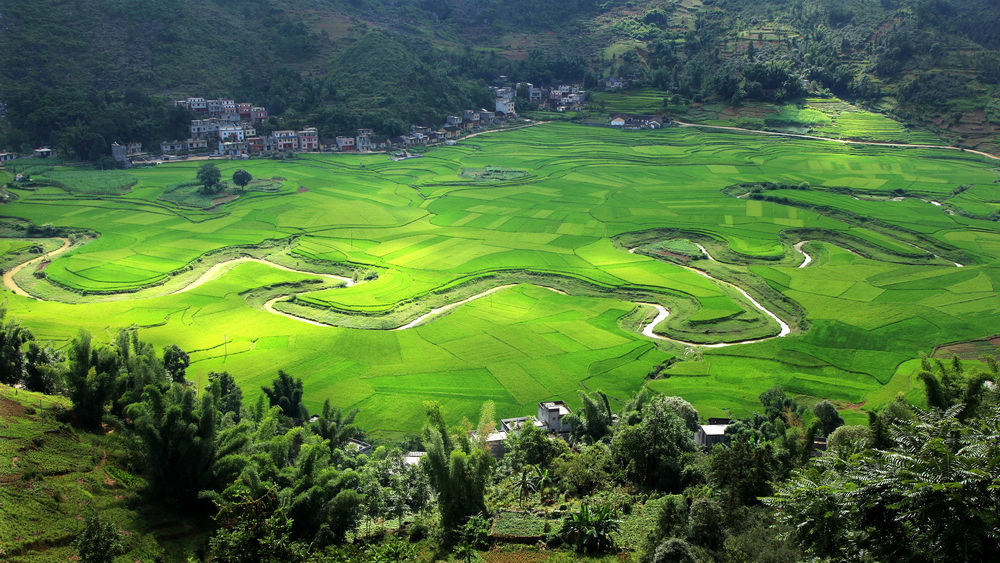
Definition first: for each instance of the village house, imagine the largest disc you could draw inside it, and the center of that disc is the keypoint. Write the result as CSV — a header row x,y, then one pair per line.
x,y
486,116
712,433
453,121
228,133
233,148
505,107
258,114
309,139
5,156
43,152
285,141
243,109
614,83
120,155
363,142
185,146
346,144
470,117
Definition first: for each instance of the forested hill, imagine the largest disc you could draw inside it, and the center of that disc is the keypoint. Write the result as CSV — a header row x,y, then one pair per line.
x,y
70,70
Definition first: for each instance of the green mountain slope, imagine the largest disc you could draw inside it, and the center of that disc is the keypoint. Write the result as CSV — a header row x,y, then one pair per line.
x,y
66,64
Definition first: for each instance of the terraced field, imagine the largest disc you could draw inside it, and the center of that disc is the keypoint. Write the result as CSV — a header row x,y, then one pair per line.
x,y
554,232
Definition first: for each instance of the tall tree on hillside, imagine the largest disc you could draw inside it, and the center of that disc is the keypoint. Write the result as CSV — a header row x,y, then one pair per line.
x,y
228,396
42,372
176,362
652,451
91,384
286,394
335,426
12,360
950,385
458,469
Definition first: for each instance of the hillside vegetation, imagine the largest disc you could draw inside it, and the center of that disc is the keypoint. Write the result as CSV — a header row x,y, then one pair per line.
x,y
79,74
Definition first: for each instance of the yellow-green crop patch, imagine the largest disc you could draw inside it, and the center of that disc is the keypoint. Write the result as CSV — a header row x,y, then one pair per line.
x,y
549,213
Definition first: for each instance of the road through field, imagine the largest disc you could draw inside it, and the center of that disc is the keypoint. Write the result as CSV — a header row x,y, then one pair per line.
x,y
216,270
844,141
8,276
806,259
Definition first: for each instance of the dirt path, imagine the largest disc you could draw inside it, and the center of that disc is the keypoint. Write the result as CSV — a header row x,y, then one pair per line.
x,y
705,252
663,313
806,259
218,269
450,306
8,276
843,141
269,307
501,130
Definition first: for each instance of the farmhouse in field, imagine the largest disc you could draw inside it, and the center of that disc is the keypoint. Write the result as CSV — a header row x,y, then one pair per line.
x,y
5,156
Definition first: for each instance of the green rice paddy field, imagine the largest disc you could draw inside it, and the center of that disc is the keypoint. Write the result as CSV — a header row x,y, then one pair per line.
x,y
558,220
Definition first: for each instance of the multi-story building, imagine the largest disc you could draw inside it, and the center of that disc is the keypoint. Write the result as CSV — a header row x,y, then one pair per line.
x,y
230,133
453,120
309,139
486,116
285,141
363,141
204,128
505,107
244,109
258,113
346,144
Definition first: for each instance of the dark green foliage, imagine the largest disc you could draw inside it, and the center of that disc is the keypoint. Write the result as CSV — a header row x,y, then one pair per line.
x,y
933,492
12,360
241,178
581,473
253,528
228,397
458,469
590,529
209,176
335,426
43,371
828,417
704,518
179,436
947,386
90,385
778,405
176,362
684,410
742,472
286,394
651,451
324,502
99,542
531,446
592,421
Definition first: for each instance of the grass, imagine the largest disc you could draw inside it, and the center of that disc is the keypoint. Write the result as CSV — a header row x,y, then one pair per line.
x,y
434,236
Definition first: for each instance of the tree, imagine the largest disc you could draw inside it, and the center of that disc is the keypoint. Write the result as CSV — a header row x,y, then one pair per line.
x,y
42,371
590,530
253,528
209,176
335,426
933,491
99,542
742,472
12,360
241,178
179,436
531,446
651,452
458,470
90,383
593,421
176,362
947,386
828,417
778,405
685,410
228,397
286,394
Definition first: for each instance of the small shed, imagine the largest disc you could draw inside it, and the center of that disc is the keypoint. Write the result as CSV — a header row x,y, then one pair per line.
x,y
708,435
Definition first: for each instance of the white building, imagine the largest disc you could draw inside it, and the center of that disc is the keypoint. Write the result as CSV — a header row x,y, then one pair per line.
x,y
505,107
